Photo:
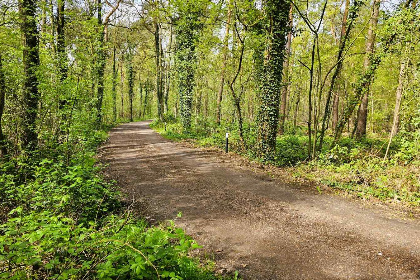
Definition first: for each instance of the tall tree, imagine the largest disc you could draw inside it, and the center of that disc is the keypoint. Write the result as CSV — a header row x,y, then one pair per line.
x,y
370,49
224,62
338,68
101,60
336,102
3,150
188,26
271,72
29,30
61,42
130,86
286,82
158,61
114,86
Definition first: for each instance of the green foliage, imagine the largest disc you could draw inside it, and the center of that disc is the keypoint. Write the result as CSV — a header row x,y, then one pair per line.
x,y
61,220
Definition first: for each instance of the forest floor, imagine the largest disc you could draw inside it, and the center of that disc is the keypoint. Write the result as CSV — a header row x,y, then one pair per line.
x,y
264,226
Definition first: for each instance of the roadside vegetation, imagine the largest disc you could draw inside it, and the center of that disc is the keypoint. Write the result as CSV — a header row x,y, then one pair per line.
x,y
354,167
59,219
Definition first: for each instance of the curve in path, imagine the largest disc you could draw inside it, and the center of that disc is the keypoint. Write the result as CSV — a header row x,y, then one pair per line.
x,y
253,223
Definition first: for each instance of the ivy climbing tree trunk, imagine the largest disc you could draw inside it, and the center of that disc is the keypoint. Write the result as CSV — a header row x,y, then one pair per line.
x,y
3,149
187,28
28,26
370,48
272,65
286,82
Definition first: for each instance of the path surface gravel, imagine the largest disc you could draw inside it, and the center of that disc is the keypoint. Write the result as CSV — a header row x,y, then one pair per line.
x,y
259,225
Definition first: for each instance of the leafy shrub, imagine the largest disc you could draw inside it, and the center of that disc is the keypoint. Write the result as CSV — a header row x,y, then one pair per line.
x,y
291,149
59,219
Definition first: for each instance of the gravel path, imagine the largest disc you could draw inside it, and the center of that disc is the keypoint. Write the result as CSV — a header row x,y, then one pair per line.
x,y
248,221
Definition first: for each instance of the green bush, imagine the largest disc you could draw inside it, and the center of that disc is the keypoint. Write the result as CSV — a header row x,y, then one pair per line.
x,y
61,220
291,149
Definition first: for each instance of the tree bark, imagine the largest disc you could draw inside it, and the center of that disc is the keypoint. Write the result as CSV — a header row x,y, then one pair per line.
x,y
61,42
27,11
3,150
370,48
337,71
285,88
114,86
223,72
399,93
101,67
130,87
336,102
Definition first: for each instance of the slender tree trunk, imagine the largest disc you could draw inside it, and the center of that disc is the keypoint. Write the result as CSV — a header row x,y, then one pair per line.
x,y
272,66
122,89
114,86
236,97
223,72
399,93
101,66
27,11
311,83
3,150
337,71
158,60
146,94
370,47
285,88
61,42
130,87
168,72
336,102
296,110
141,97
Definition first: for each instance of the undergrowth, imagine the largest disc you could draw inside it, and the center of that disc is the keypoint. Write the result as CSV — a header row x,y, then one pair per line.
x,y
355,167
61,220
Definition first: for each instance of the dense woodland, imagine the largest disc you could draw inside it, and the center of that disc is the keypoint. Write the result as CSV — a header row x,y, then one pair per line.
x,y
328,89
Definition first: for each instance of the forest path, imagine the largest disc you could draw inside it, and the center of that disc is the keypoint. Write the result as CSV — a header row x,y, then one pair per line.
x,y
250,222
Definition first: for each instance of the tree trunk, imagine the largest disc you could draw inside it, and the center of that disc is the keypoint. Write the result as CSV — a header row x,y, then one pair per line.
x,y
3,149
141,97
101,67
271,70
114,87
146,94
370,48
286,81
336,102
338,67
158,60
223,72
27,11
61,42
399,93
122,88
168,72
130,87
